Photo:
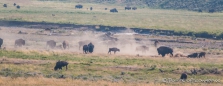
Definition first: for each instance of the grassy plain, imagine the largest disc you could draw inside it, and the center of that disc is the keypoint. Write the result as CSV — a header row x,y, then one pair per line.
x,y
105,70
179,20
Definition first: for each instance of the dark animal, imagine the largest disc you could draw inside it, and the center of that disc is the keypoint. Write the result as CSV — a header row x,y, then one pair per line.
x,y
65,45
156,43
193,55
82,43
142,48
90,48
14,4
79,6
91,8
201,54
5,5
18,7
106,8
1,42
134,8
60,64
163,50
85,49
114,10
127,8
19,42
183,76
51,44
211,11
113,49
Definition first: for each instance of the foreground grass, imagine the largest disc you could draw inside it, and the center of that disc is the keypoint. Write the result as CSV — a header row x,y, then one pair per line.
x,y
39,11
99,68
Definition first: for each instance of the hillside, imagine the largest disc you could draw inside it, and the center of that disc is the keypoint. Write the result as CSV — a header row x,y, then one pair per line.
x,y
193,5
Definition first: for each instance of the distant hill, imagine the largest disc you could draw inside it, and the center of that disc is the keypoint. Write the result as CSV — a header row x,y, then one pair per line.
x,y
192,5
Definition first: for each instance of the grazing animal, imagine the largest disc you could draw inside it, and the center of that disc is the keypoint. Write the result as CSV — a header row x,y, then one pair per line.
x,y
127,8
5,5
113,49
79,6
91,8
1,42
18,7
201,54
19,42
106,8
14,4
114,10
193,55
156,43
142,48
82,43
85,49
163,50
183,76
60,64
65,45
51,44
90,48
134,8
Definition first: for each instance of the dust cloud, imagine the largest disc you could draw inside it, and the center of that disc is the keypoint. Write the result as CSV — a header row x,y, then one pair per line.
x,y
35,41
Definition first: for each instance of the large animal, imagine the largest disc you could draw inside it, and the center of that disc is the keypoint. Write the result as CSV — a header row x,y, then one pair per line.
x,y
134,8
51,44
82,43
60,64
114,10
113,49
79,6
1,42
201,54
127,8
90,48
142,48
156,43
85,49
193,55
183,76
163,50
65,45
19,42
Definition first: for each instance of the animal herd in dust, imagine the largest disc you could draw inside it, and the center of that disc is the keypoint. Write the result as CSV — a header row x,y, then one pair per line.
x,y
88,47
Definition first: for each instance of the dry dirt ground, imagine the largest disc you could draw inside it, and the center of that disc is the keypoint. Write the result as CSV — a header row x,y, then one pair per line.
x,y
36,40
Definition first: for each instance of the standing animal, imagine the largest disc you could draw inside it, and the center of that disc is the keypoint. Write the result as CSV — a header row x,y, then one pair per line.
x,y
91,8
1,42
193,55
85,49
51,44
79,6
201,54
142,48
114,10
163,50
5,5
90,48
183,76
65,45
113,49
156,43
60,64
127,8
82,43
19,42
134,8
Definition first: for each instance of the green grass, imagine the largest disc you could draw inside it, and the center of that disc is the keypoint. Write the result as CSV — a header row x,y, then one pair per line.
x,y
38,11
103,67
